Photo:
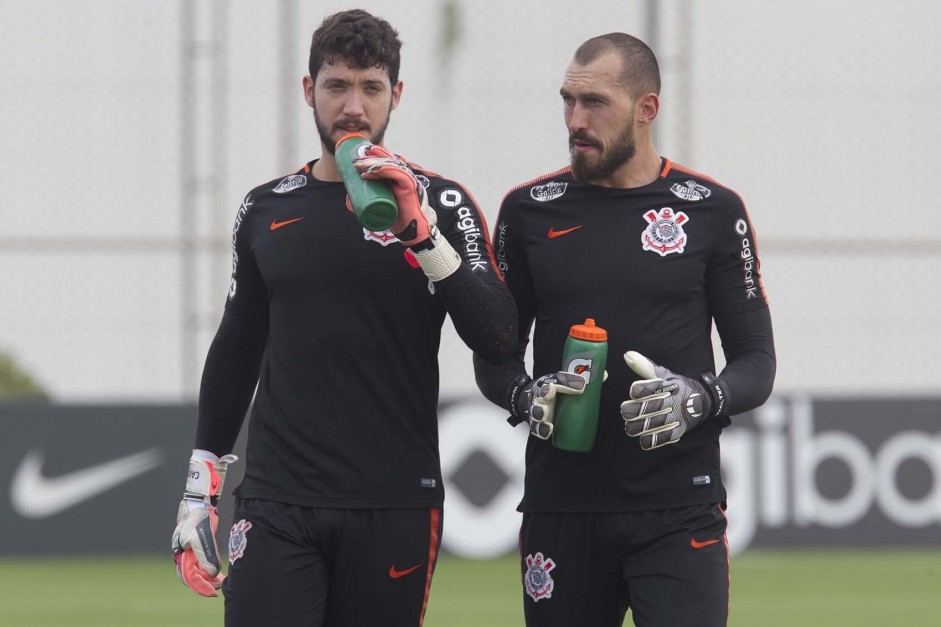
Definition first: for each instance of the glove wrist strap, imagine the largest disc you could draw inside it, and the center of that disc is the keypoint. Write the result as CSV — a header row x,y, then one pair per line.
x,y
206,476
438,262
717,393
516,388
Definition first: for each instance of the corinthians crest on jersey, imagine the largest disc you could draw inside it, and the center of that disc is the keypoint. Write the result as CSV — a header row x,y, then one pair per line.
x,y
690,190
664,233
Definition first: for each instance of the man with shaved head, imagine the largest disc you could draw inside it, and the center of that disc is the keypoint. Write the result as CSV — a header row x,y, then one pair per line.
x,y
656,253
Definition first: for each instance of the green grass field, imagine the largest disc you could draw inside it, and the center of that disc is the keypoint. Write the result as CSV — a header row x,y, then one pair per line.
x,y
769,589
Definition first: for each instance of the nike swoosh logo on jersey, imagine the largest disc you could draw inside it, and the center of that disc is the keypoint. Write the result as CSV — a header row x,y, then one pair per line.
x,y
698,545
36,496
275,225
395,574
554,234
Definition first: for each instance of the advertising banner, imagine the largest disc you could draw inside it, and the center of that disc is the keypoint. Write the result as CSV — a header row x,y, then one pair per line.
x,y
799,472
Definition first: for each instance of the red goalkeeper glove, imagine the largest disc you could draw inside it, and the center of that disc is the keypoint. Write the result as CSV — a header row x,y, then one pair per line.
x,y
416,220
194,547
416,225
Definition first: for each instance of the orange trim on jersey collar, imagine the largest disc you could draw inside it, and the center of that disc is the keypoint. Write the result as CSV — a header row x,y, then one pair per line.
x,y
667,165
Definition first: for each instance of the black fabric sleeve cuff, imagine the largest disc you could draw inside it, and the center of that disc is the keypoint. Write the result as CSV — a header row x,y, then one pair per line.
x,y
518,384
718,392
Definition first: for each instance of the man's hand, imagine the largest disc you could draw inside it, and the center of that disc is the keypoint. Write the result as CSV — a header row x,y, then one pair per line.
x,y
534,401
416,220
416,225
194,540
663,405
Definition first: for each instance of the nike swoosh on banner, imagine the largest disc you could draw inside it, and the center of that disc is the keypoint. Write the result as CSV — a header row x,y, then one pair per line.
x,y
553,233
35,496
698,545
395,574
277,225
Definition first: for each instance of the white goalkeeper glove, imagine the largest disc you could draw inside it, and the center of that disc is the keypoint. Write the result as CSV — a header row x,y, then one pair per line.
x,y
534,401
198,564
416,224
664,405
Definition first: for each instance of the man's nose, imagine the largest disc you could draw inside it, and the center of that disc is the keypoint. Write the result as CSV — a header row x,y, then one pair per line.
x,y
578,119
353,105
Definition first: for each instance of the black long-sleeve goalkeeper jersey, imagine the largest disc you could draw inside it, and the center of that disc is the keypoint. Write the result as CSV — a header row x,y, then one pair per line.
x,y
654,266
341,333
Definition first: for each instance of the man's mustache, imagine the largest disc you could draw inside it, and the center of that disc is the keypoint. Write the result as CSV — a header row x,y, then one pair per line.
x,y
583,137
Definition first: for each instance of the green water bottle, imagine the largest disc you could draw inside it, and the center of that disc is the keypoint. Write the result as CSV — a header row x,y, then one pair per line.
x,y
576,415
372,200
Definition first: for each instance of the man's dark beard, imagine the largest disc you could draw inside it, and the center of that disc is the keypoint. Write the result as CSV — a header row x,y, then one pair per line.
x,y
620,152
375,138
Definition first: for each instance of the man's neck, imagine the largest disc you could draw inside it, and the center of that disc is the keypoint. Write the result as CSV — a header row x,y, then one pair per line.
x,y
643,169
326,167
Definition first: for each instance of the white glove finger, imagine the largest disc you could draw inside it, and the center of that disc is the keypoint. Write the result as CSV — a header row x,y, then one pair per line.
x,y
568,383
646,405
383,168
651,401
649,443
645,425
541,429
401,179
649,388
541,410
545,390
652,429
374,153
641,366
648,415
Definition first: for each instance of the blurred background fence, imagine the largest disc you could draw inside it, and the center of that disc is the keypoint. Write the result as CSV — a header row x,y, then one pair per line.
x,y
132,130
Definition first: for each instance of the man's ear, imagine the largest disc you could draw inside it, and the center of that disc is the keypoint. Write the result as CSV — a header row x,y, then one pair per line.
x,y
397,93
647,108
308,83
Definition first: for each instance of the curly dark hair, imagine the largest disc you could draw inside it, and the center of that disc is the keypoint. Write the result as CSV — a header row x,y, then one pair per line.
x,y
360,39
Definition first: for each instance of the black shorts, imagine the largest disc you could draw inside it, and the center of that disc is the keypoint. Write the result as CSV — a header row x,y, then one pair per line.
x,y
305,566
671,567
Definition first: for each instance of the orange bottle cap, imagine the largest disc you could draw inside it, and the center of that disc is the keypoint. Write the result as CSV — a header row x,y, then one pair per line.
x,y
588,331
350,136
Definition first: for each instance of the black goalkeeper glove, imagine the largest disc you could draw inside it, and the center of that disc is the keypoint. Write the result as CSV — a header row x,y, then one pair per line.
x,y
664,405
534,401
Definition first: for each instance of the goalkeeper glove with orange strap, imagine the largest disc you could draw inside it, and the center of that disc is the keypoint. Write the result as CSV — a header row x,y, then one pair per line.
x,y
416,224
198,564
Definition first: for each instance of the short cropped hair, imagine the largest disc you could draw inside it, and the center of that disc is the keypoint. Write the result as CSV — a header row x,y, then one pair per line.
x,y
641,72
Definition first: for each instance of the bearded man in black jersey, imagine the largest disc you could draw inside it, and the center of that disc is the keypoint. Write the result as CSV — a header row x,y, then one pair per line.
x,y
338,519
655,253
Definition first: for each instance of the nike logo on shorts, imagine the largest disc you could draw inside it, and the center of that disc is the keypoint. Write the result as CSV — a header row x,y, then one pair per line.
x,y
699,545
396,574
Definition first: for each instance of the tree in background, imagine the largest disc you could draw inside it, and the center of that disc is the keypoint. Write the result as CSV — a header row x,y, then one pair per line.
x,y
16,384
